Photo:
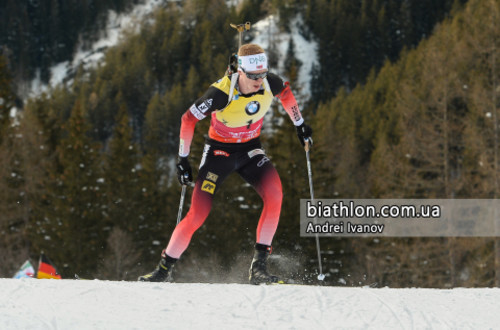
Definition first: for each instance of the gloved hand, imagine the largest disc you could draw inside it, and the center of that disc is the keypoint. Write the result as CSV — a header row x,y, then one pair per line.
x,y
304,132
184,172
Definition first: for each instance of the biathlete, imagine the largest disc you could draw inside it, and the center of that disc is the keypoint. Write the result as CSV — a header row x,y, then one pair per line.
x,y
236,105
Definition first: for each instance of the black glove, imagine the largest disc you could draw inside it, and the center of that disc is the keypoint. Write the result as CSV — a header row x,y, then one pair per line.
x,y
304,133
184,172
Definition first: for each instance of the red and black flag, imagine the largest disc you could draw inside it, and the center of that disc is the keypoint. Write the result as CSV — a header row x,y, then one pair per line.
x,y
46,268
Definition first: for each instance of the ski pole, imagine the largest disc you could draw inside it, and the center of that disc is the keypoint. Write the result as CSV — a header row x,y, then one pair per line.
x,y
181,202
307,147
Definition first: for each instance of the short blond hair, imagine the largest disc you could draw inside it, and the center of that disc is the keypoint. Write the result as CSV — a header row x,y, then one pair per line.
x,y
250,49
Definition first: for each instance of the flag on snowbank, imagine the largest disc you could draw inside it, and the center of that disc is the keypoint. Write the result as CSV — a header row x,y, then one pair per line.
x,y
26,271
46,269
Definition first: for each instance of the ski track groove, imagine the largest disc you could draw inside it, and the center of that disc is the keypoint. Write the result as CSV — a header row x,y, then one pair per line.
x,y
362,314
257,304
412,320
320,298
391,310
252,303
340,305
54,313
431,321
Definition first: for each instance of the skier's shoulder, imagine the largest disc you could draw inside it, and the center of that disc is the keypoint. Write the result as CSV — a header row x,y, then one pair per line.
x,y
223,84
214,98
276,83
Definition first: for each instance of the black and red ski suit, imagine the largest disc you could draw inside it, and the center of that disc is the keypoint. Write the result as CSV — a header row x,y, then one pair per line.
x,y
233,145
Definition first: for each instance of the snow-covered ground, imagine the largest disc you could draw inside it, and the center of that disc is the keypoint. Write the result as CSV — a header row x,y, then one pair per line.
x,y
93,304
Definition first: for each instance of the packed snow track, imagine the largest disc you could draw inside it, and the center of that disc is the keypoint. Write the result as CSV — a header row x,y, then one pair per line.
x,y
94,304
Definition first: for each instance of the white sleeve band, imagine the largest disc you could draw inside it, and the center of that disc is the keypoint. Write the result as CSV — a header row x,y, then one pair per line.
x,y
298,123
182,149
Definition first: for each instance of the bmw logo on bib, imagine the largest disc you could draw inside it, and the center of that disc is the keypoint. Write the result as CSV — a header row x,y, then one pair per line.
x,y
252,108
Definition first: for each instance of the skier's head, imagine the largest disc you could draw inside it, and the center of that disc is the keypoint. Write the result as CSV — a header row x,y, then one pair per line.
x,y
250,49
252,67
251,57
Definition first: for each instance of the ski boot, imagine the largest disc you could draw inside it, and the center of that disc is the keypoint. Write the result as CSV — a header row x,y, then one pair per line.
x,y
162,272
258,270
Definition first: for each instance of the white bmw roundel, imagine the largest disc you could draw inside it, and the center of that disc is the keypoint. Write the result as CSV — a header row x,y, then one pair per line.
x,y
252,108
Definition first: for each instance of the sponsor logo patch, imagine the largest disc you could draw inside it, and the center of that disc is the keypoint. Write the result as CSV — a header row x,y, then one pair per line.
x,y
205,105
205,153
257,59
197,113
252,108
221,153
255,152
208,186
212,176
263,161
181,146
296,113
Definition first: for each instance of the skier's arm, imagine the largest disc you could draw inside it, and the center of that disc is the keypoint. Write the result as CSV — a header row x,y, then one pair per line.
x,y
212,100
283,92
290,105
188,122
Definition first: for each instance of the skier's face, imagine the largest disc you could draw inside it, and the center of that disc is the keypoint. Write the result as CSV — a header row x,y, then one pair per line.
x,y
250,82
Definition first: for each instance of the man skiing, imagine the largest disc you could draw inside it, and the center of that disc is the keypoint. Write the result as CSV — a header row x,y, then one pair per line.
x,y
237,105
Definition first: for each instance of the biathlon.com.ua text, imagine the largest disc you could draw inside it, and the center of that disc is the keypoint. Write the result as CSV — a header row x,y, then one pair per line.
x,y
351,210
400,217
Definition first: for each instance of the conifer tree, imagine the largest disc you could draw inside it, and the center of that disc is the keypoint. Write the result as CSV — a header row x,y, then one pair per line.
x,y
26,168
481,29
7,96
158,173
121,173
292,64
73,223
127,191
14,202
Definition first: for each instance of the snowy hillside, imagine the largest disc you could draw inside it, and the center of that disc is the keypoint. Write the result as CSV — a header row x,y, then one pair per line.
x,y
88,58
265,32
267,35
69,304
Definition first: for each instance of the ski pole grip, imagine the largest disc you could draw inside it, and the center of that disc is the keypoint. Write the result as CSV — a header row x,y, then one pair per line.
x,y
186,179
307,146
